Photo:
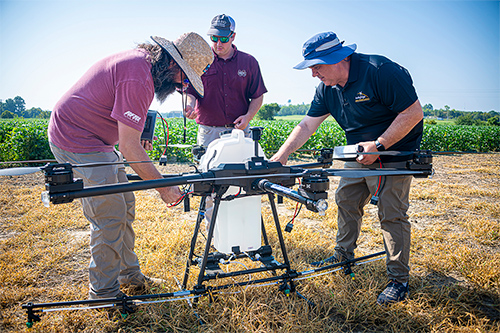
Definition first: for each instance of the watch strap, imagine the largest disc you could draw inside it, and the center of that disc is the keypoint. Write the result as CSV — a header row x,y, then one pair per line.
x,y
380,147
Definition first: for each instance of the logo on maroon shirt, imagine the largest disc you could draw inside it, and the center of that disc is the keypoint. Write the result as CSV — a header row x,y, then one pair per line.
x,y
132,116
242,72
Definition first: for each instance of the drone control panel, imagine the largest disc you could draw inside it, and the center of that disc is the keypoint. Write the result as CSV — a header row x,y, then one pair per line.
x,y
149,127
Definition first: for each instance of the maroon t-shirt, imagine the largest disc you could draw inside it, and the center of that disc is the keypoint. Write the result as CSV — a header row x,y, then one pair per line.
x,y
117,88
229,86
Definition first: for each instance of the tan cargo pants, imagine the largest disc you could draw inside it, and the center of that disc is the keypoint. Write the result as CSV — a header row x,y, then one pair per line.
x,y
112,238
207,134
354,193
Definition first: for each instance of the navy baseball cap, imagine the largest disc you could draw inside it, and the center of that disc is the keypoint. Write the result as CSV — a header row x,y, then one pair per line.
x,y
222,25
324,48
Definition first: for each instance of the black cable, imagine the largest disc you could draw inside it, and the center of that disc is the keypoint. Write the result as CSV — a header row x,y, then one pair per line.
x,y
163,121
184,105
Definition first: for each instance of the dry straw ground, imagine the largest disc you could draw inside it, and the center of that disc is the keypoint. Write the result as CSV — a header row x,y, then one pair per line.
x,y
455,260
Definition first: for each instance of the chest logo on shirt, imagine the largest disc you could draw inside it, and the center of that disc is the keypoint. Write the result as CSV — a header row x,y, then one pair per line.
x,y
132,116
242,72
361,97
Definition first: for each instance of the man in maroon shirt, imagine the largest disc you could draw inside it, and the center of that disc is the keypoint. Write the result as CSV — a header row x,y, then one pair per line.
x,y
233,84
106,107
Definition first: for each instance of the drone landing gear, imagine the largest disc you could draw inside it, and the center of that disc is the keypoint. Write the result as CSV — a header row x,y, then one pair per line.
x,y
209,262
125,304
32,317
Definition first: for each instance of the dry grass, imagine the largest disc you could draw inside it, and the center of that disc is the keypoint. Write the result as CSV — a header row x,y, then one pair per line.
x,y
454,285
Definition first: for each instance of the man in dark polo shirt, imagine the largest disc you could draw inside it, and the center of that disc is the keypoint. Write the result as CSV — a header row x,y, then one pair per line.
x,y
233,84
374,101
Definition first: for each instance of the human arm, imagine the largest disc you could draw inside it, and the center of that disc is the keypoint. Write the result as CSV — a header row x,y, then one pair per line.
x,y
190,111
242,121
131,148
300,134
399,128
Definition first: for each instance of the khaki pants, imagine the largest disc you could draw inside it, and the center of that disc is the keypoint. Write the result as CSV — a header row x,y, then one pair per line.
x,y
207,134
112,238
354,193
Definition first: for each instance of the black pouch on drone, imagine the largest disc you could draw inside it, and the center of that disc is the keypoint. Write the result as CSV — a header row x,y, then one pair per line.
x,y
149,127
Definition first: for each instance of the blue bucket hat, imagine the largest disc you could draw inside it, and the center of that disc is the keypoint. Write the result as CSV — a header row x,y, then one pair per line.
x,y
324,48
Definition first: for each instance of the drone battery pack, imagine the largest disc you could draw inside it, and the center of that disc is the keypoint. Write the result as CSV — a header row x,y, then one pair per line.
x,y
149,127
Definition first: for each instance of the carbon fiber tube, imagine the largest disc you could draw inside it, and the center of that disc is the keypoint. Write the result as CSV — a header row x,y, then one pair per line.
x,y
63,197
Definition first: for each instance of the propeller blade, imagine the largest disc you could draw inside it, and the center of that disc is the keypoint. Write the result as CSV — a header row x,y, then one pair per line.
x,y
360,173
19,171
456,152
389,153
30,161
178,145
27,170
90,165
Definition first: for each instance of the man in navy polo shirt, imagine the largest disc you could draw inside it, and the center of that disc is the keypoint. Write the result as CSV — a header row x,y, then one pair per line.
x,y
233,84
374,101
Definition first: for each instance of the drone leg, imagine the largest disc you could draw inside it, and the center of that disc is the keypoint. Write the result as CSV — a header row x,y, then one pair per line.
x,y
264,234
285,288
288,285
125,309
32,317
347,268
278,230
199,219
209,241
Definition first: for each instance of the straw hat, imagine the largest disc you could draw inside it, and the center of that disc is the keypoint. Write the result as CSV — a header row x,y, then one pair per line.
x,y
193,55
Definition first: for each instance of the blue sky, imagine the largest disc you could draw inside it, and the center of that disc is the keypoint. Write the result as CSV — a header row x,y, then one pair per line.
x,y
451,48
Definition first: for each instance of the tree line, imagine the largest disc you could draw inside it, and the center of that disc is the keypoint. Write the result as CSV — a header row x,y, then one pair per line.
x,y
16,108
474,118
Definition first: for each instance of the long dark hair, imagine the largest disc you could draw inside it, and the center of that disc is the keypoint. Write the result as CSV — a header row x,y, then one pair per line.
x,y
163,74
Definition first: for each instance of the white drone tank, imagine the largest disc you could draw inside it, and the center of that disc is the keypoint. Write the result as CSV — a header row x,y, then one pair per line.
x,y
238,221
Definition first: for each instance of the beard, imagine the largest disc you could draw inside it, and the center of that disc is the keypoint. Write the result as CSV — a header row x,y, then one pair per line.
x,y
166,84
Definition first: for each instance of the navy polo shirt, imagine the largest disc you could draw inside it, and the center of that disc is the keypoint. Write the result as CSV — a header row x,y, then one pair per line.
x,y
377,90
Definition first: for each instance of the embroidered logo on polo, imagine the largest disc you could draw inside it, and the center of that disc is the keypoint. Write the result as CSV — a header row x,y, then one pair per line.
x,y
132,116
242,72
361,97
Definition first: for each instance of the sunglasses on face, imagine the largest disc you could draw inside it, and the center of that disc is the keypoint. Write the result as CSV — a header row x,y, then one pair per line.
x,y
182,86
215,39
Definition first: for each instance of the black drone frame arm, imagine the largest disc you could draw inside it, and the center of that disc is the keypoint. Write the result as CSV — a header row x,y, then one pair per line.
x,y
62,188
57,196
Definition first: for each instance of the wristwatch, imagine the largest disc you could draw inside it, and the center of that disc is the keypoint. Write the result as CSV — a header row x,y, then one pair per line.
x,y
380,147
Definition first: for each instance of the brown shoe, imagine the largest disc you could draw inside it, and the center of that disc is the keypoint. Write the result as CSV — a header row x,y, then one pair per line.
x,y
120,294
148,285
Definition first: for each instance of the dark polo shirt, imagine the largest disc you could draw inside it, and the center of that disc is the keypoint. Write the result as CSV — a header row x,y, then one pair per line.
x,y
229,86
376,91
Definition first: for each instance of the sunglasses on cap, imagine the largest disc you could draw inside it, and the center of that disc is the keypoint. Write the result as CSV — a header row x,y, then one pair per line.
x,y
215,39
